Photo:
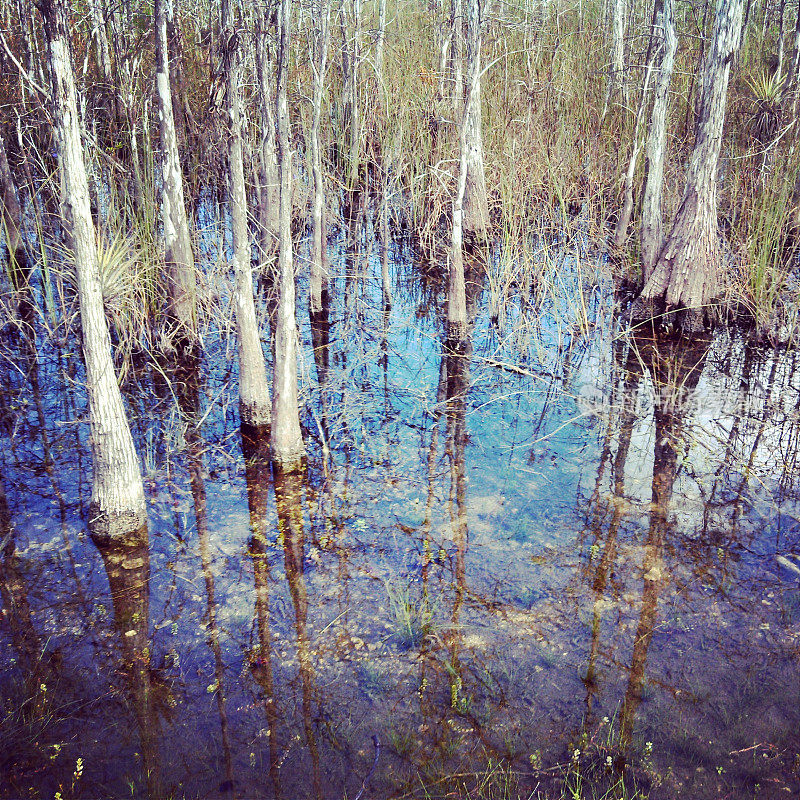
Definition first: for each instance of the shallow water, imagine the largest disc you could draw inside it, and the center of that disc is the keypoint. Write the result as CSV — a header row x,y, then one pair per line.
x,y
558,559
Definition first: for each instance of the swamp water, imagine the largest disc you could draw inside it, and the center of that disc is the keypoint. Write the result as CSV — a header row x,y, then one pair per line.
x,y
555,561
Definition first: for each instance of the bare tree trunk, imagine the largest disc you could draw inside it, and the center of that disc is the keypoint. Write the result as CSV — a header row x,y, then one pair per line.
x,y
691,103
457,52
319,64
18,266
117,510
269,189
103,58
130,111
446,39
318,267
380,40
476,208
25,35
686,274
287,440
456,284
254,400
652,226
621,230
616,78
138,183
793,84
183,114
355,111
178,255
748,6
350,24
781,36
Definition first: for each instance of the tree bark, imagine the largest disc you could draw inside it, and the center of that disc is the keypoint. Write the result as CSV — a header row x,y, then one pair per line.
x,y
781,36
456,285
254,400
18,265
117,509
350,25
380,40
687,272
476,208
183,114
269,189
318,267
178,255
25,37
318,278
652,226
287,440
621,230
457,53
103,58
793,84
616,78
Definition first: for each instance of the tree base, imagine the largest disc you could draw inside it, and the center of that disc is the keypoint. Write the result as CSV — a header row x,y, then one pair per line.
x,y
119,527
288,466
255,441
656,315
255,415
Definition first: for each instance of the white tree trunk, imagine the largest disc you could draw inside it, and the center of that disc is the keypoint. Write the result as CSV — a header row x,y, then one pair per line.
x,y
476,208
117,507
102,50
457,53
652,227
456,284
793,84
616,78
380,40
687,272
178,255
269,195
254,400
355,111
318,278
621,230
287,440
781,36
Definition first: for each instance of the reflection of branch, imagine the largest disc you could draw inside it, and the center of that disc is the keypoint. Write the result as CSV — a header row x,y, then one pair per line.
x,y
377,742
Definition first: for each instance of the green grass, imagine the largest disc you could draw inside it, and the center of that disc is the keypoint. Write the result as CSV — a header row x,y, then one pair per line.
x,y
412,620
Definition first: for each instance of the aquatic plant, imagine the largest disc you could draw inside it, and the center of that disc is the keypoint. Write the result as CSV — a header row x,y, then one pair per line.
x,y
412,620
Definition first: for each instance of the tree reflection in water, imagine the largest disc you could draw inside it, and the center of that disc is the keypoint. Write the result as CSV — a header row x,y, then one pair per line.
x,y
674,369
127,566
